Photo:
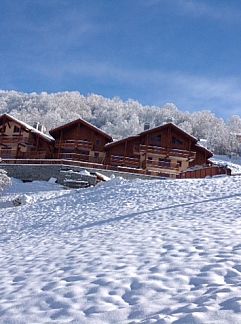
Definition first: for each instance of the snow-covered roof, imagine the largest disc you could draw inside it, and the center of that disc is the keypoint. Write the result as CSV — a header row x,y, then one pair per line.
x,y
116,142
150,130
30,128
96,129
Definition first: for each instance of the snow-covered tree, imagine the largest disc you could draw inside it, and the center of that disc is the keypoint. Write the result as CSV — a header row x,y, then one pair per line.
x,y
117,117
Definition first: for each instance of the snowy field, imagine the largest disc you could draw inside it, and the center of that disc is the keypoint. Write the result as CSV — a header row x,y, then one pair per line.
x,y
234,162
160,251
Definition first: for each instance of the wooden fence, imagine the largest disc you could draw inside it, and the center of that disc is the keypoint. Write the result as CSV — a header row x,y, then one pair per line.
x,y
205,172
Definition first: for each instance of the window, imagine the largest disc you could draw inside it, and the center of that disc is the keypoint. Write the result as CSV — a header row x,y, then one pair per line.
x,y
97,142
164,162
176,141
16,129
96,154
155,140
149,158
3,129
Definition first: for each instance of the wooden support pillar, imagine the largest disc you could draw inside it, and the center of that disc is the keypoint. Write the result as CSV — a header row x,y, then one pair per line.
x,y
60,141
17,151
169,137
189,145
4,124
37,144
125,149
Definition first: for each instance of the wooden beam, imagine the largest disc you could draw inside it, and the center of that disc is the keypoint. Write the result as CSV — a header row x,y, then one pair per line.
x,y
4,124
125,149
60,140
37,144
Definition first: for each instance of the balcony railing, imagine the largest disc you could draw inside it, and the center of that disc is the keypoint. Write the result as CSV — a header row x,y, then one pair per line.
x,y
160,165
80,144
8,153
10,139
157,150
14,153
124,161
79,157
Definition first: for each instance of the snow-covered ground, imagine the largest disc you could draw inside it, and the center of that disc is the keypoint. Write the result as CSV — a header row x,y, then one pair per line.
x,y
159,251
233,162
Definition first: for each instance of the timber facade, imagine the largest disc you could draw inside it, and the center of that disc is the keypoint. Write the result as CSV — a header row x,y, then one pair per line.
x,y
80,141
21,141
165,151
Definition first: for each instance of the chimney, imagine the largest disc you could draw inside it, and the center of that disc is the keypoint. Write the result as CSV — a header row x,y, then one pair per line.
x,y
146,126
35,125
39,127
169,120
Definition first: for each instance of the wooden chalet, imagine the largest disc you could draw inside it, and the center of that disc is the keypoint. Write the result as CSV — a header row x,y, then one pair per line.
x,y
19,140
80,141
166,150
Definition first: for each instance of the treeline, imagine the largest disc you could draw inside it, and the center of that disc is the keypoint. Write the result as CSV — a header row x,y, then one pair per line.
x,y
120,118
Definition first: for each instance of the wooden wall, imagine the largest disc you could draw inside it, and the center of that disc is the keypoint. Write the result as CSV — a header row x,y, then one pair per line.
x,y
167,137
18,142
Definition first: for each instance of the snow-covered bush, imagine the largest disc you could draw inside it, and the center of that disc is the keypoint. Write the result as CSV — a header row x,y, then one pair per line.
x,y
5,181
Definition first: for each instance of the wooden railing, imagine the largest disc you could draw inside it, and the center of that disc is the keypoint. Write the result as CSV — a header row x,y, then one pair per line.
x,y
81,144
79,157
208,171
162,165
124,161
167,152
10,139
52,161
8,153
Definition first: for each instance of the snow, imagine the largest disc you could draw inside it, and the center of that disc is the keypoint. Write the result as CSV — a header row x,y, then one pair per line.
x,y
139,251
32,129
233,162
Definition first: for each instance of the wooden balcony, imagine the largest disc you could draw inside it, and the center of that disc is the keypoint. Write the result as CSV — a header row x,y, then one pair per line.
x,y
124,161
14,153
78,157
166,152
72,143
11,139
161,165
8,153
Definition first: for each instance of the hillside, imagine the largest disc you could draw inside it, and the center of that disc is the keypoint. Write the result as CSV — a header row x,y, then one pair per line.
x,y
160,251
119,118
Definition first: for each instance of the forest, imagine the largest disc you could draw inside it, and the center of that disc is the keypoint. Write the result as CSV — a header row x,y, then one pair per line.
x,y
121,118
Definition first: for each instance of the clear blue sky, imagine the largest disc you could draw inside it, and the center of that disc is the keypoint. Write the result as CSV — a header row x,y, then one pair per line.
x,y
155,51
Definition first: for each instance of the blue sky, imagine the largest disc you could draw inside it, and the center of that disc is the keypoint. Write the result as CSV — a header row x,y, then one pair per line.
x,y
155,51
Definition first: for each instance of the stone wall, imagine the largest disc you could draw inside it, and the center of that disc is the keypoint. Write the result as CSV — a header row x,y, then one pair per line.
x,y
31,172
